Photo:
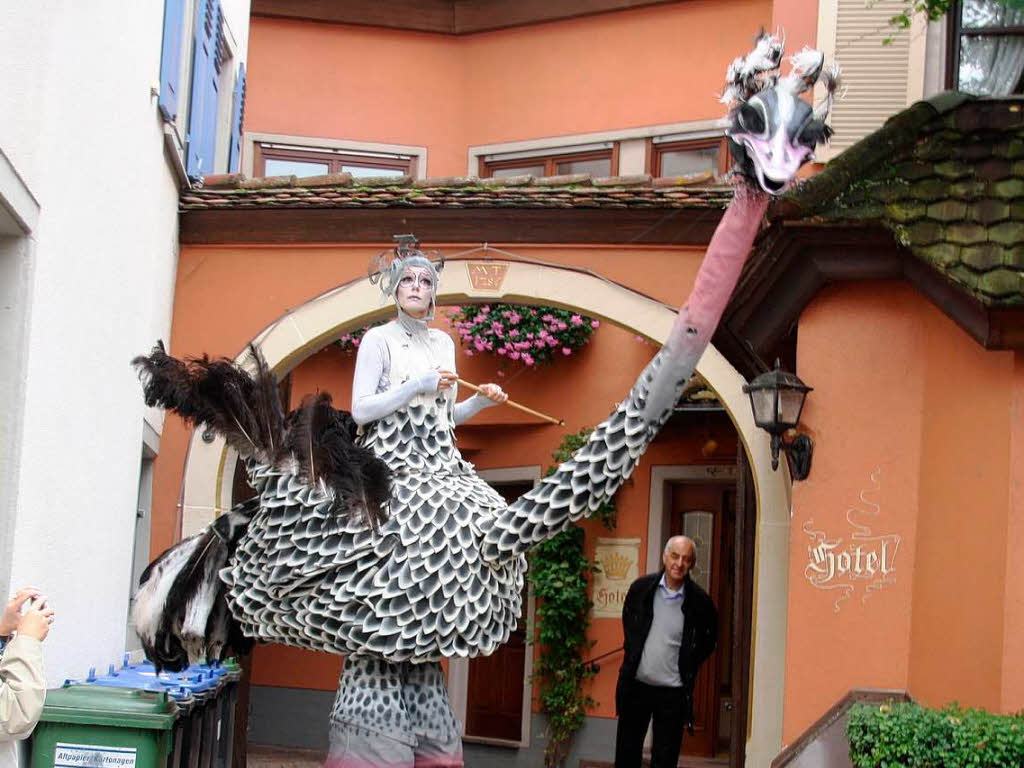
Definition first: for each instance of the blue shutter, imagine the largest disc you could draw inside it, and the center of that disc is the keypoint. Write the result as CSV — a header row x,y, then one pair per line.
x,y
237,113
170,58
206,62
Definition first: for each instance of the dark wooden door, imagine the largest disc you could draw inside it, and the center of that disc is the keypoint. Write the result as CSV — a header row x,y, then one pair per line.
x,y
699,510
494,691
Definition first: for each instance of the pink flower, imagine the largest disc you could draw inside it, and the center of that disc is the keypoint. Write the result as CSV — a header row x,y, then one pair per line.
x,y
485,310
562,326
501,373
595,323
540,344
527,358
529,335
501,350
513,333
514,355
356,342
469,353
514,318
566,351
576,320
533,313
478,344
547,318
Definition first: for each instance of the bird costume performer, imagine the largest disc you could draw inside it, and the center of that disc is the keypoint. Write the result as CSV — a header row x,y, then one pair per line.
x,y
370,535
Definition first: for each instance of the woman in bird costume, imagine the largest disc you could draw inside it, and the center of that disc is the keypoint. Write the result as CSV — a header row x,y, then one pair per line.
x,y
370,535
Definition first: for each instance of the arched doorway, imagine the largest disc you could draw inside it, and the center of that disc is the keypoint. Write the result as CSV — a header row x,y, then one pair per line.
x,y
296,335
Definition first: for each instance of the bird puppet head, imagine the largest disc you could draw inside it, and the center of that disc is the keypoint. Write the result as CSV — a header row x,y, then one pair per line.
x,y
773,131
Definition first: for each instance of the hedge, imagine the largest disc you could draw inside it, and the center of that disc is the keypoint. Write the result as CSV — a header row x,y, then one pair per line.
x,y
909,736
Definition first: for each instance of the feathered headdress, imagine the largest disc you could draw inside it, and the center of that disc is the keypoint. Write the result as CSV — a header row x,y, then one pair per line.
x,y
773,130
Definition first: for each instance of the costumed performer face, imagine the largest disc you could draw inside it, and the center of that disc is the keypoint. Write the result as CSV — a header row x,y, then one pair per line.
x,y
414,293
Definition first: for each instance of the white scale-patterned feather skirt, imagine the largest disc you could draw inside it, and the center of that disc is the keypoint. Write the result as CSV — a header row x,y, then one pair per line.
x,y
418,589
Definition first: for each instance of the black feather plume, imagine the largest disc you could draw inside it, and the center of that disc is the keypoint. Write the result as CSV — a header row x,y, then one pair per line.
x,y
244,409
322,440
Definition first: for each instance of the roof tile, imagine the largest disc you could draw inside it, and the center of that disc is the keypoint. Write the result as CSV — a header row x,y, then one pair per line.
x,y
326,180
947,210
1000,283
964,233
1008,233
982,257
910,210
267,182
1009,188
990,211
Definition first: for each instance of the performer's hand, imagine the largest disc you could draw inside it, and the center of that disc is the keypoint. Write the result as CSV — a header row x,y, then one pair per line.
x,y
447,380
12,613
494,393
37,619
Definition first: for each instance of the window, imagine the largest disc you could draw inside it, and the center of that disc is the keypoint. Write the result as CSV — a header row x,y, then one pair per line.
x,y
284,160
986,48
202,87
602,161
670,156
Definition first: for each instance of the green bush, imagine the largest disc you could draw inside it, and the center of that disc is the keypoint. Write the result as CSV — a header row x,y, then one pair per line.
x,y
908,736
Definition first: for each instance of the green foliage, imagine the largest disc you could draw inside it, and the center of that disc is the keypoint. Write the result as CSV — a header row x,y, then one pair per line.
x,y
558,573
933,10
908,736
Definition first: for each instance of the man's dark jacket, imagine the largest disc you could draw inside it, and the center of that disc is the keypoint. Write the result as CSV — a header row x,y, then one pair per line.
x,y
700,634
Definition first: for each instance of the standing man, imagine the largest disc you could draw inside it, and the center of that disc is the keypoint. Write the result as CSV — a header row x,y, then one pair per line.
x,y
670,627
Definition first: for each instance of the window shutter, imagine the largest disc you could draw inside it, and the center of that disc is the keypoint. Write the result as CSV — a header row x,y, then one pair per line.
x,y
170,58
237,114
206,64
879,79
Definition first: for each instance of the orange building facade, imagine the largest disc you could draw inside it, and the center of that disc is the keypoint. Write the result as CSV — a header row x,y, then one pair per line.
x,y
892,566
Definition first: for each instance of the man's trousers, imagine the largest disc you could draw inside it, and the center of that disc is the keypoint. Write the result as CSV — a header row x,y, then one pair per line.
x,y
638,705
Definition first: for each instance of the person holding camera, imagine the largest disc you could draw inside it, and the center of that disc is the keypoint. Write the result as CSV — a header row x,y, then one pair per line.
x,y
24,625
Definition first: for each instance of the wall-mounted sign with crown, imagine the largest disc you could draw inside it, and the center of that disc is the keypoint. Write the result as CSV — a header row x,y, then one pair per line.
x,y
619,561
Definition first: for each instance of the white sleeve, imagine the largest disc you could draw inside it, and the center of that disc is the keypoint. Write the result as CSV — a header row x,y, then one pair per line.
x,y
371,362
471,406
22,687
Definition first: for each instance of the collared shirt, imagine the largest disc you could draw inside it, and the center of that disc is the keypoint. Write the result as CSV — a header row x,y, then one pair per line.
x,y
672,594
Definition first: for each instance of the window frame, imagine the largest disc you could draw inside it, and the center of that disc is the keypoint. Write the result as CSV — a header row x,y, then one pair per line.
x,y
956,33
656,149
550,161
334,158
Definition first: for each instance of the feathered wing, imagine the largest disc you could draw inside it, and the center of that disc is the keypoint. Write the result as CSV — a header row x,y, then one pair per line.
x,y
597,470
181,611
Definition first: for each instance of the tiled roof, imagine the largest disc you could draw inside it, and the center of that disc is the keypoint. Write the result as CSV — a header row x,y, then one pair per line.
x,y
234,191
946,177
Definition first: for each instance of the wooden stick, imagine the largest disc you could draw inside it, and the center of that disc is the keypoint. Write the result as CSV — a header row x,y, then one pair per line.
x,y
514,404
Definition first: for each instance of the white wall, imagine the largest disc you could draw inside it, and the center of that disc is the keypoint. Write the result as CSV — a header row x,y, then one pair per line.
x,y
81,126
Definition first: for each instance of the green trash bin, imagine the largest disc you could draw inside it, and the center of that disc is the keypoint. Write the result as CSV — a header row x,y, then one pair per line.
x,y
86,726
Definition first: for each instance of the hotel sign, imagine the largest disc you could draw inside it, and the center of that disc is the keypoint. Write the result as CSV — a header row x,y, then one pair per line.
x,y
619,561
860,562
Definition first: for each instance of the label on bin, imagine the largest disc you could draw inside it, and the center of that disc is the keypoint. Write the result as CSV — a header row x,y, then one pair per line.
x,y
92,756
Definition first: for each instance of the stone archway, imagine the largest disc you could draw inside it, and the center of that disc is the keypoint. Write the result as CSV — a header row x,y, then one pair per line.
x,y
296,335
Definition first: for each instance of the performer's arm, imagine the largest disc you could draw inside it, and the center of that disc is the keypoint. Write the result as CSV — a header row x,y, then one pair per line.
x,y
371,363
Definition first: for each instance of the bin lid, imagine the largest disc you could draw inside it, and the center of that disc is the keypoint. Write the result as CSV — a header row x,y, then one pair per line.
x,y
121,707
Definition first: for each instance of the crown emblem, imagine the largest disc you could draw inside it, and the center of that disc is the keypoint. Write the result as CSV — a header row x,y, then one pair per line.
x,y
616,566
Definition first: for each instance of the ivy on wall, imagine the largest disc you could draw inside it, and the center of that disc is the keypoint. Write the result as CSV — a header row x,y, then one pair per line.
x,y
558,573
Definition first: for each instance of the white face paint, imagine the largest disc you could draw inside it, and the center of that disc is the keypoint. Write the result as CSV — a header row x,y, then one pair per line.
x,y
415,291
